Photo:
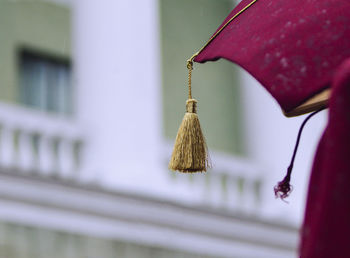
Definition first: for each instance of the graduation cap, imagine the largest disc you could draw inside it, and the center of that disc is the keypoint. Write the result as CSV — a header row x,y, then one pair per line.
x,y
299,51
292,48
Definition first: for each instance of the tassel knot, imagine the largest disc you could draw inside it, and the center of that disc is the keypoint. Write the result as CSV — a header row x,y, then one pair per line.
x,y
191,106
283,188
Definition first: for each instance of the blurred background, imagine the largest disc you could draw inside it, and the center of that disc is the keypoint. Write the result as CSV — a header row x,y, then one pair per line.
x,y
91,96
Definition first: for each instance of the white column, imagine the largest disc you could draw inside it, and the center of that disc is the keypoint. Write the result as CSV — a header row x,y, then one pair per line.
x,y
118,90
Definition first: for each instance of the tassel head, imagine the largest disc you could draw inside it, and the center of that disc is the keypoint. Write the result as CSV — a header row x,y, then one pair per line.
x,y
190,153
283,188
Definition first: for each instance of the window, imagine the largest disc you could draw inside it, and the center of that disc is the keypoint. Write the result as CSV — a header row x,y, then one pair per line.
x,y
45,83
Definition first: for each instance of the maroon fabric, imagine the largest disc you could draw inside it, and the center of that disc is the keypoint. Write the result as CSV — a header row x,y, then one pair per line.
x,y
326,229
292,47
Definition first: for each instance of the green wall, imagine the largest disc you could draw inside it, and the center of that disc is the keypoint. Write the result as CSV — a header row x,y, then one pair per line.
x,y
38,26
185,27
19,241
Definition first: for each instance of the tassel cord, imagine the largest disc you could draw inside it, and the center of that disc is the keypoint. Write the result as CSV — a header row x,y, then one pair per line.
x,y
283,188
298,141
190,68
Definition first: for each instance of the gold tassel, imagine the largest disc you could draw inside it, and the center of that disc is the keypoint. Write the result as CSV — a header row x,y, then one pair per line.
x,y
190,152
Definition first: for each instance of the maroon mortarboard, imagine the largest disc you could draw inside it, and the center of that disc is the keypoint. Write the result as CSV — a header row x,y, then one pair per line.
x,y
291,47
295,50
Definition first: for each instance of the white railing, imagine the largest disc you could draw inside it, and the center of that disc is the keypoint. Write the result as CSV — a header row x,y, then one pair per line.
x,y
36,142
233,183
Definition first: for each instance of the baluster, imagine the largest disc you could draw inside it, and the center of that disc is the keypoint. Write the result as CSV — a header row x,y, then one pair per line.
x,y
216,189
233,195
55,147
25,151
45,155
224,189
206,188
77,154
65,158
7,144
196,186
240,183
248,196
78,158
35,140
257,193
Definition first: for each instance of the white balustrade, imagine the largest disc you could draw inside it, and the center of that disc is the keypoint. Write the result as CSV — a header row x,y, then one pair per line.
x,y
36,142
230,184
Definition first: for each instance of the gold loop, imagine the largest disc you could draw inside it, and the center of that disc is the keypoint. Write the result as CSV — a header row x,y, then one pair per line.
x,y
189,64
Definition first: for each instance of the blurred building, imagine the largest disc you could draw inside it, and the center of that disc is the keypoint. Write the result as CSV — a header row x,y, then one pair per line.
x,y
92,94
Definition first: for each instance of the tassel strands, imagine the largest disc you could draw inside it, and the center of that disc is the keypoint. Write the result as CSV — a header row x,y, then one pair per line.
x,y
190,153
